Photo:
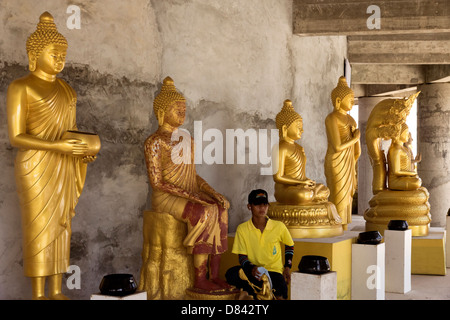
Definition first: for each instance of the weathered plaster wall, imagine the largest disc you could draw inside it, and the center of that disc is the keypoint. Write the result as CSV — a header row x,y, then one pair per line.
x,y
434,145
236,62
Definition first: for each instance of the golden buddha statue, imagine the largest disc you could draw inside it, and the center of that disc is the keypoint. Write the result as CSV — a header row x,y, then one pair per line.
x,y
186,200
301,203
381,126
400,173
50,170
343,151
414,160
403,197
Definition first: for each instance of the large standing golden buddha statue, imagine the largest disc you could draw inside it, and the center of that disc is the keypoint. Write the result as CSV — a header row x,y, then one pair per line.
x,y
186,212
343,151
398,191
50,169
301,203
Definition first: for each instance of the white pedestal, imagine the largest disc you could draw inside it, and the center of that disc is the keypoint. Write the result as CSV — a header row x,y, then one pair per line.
x,y
368,271
138,295
306,286
398,260
447,241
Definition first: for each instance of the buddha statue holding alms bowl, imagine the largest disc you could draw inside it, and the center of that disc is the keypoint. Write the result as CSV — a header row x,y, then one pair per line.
x,y
51,164
301,203
403,197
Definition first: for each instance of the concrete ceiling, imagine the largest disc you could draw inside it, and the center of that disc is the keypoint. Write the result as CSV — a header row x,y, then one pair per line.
x,y
393,46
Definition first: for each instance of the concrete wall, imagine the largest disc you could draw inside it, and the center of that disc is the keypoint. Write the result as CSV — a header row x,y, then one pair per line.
x,y
434,145
235,62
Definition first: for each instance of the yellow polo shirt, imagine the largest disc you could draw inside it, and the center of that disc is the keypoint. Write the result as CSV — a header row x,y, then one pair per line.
x,y
263,248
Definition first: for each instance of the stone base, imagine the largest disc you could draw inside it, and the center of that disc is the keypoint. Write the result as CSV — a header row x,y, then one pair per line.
x,y
388,205
314,286
398,260
167,269
311,221
428,253
197,294
368,271
138,295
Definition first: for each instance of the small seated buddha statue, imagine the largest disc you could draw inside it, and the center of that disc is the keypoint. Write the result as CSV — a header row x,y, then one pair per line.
x,y
291,184
404,198
301,203
401,175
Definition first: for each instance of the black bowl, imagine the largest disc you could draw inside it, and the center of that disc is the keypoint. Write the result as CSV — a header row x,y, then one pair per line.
x,y
118,285
314,265
369,237
400,225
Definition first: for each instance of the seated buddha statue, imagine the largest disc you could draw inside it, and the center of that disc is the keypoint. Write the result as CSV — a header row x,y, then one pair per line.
x,y
404,197
401,176
291,184
301,203
383,118
178,192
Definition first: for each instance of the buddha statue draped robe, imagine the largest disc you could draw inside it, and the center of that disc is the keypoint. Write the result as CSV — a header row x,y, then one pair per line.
x,y
340,172
207,225
49,185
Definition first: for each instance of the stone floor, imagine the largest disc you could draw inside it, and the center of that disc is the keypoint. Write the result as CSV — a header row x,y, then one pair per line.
x,y
423,287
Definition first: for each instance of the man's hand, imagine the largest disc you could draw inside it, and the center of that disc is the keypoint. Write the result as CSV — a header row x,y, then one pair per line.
x,y
287,274
258,272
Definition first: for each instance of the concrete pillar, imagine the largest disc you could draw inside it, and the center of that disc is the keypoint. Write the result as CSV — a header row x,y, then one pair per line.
x,y
365,106
434,144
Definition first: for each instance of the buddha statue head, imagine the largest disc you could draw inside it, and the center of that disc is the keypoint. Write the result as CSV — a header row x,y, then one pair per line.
x,y
401,108
289,123
401,133
342,96
46,47
169,105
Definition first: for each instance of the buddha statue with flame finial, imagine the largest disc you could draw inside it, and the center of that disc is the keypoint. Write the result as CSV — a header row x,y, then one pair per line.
x,y
343,151
301,203
181,200
50,167
398,190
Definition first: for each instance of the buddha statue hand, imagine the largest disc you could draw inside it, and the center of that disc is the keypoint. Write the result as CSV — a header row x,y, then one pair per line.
x,y
74,147
223,202
308,183
418,158
88,159
201,198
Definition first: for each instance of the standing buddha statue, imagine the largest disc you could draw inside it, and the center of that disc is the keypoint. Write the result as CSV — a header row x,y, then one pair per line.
x,y
50,168
343,151
301,203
